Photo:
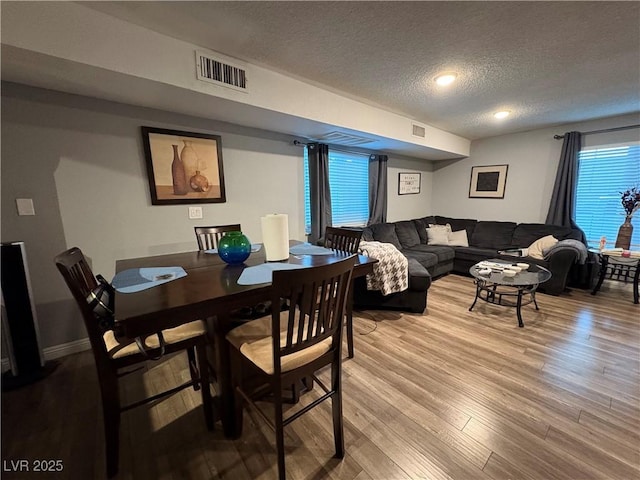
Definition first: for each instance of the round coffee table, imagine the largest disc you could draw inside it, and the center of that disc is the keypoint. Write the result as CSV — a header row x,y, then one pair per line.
x,y
497,288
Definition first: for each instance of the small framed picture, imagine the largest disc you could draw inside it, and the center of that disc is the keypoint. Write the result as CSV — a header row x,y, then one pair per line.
x,y
408,183
488,181
183,167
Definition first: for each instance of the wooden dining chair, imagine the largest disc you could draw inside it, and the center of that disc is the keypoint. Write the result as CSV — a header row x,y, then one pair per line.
x,y
344,240
288,346
208,237
112,353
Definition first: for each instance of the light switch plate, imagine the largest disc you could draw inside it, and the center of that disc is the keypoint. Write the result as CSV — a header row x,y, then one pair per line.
x,y
25,206
195,212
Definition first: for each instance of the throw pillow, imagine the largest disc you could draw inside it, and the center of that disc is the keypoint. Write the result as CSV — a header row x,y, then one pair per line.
x,y
544,243
458,239
437,236
446,227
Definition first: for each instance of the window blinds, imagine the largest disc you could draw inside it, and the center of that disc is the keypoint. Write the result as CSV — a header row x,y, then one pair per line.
x,y
349,185
603,173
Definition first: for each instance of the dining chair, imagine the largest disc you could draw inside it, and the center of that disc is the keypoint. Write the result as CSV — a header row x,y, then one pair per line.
x,y
208,237
112,353
344,240
288,346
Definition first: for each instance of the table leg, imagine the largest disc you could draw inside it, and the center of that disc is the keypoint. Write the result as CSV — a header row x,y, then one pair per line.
x,y
604,261
519,308
223,371
477,295
349,318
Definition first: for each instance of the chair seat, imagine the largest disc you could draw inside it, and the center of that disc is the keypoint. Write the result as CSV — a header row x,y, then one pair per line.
x,y
254,341
118,349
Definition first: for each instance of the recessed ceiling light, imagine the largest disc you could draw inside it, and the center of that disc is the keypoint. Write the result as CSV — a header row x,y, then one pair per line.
x,y
502,114
445,79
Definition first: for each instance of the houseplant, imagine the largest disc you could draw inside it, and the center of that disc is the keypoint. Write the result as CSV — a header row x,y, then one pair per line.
x,y
630,203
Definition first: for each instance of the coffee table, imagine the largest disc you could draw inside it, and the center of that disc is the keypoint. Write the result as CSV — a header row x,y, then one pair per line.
x,y
497,288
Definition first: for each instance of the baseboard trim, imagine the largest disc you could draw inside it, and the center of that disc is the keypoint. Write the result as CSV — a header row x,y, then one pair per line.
x,y
57,351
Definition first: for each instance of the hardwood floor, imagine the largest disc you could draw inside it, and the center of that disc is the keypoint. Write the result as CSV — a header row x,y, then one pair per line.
x,y
450,394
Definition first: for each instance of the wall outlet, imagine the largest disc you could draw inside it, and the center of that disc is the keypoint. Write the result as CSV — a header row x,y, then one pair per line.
x,y
195,212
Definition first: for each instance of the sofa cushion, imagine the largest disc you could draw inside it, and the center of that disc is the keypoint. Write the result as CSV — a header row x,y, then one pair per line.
x,y
474,254
493,235
443,253
458,224
385,233
527,233
421,226
426,259
407,233
419,277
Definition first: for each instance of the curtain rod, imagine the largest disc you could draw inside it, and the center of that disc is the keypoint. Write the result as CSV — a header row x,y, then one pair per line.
x,y
605,130
352,152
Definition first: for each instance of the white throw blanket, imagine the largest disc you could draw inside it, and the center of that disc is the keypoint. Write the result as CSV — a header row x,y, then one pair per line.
x,y
391,273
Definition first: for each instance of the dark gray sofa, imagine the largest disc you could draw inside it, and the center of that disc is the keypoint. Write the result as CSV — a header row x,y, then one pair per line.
x,y
486,238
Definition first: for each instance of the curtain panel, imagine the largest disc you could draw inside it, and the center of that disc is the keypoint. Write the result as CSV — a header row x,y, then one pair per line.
x,y
563,199
319,192
377,189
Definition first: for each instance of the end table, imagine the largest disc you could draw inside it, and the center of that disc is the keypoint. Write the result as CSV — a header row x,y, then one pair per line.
x,y
617,267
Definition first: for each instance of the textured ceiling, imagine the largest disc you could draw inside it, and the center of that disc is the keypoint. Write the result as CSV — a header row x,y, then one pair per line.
x,y
548,62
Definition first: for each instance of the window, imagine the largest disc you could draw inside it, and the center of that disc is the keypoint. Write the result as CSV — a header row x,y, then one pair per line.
x,y
603,173
349,185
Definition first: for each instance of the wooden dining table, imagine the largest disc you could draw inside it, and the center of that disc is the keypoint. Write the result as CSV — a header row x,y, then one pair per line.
x,y
210,291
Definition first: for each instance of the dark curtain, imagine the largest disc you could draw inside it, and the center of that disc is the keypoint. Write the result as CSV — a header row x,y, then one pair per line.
x,y
562,208
377,189
563,200
319,193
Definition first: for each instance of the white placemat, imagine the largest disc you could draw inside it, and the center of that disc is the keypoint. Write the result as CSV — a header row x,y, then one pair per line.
x,y
138,279
264,273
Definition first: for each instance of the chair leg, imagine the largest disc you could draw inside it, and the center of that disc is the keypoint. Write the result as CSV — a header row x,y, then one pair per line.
x,y
193,368
204,385
236,383
336,408
282,474
111,417
349,322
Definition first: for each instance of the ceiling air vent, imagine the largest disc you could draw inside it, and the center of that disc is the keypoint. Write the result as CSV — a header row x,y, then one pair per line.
x,y
341,138
214,70
418,131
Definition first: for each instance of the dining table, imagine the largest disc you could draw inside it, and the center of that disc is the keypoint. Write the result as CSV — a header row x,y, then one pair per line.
x,y
210,291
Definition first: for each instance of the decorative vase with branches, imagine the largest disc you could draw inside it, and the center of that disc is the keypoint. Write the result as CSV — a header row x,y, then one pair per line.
x,y
630,203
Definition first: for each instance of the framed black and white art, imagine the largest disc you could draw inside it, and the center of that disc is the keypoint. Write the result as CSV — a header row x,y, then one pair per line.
x,y
408,183
488,181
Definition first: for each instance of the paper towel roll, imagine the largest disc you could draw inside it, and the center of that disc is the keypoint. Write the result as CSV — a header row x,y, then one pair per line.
x,y
275,236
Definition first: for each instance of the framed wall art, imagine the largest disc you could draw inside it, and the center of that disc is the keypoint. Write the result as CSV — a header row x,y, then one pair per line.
x,y
183,167
488,181
408,183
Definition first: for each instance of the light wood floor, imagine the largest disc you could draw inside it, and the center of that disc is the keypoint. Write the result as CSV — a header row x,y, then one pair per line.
x,y
448,394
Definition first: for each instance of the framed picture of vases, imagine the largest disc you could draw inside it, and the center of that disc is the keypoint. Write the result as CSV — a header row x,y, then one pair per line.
x,y
183,167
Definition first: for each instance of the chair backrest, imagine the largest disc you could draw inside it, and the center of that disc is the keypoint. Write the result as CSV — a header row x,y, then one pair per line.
x,y
316,299
80,279
342,239
208,237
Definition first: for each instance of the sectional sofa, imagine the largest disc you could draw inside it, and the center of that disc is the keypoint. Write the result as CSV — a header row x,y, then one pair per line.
x,y
485,239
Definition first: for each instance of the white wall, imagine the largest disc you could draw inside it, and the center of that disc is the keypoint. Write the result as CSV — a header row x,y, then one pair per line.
x,y
406,207
82,162
533,160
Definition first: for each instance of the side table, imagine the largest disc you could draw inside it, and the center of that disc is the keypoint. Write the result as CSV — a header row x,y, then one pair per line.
x,y
616,267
